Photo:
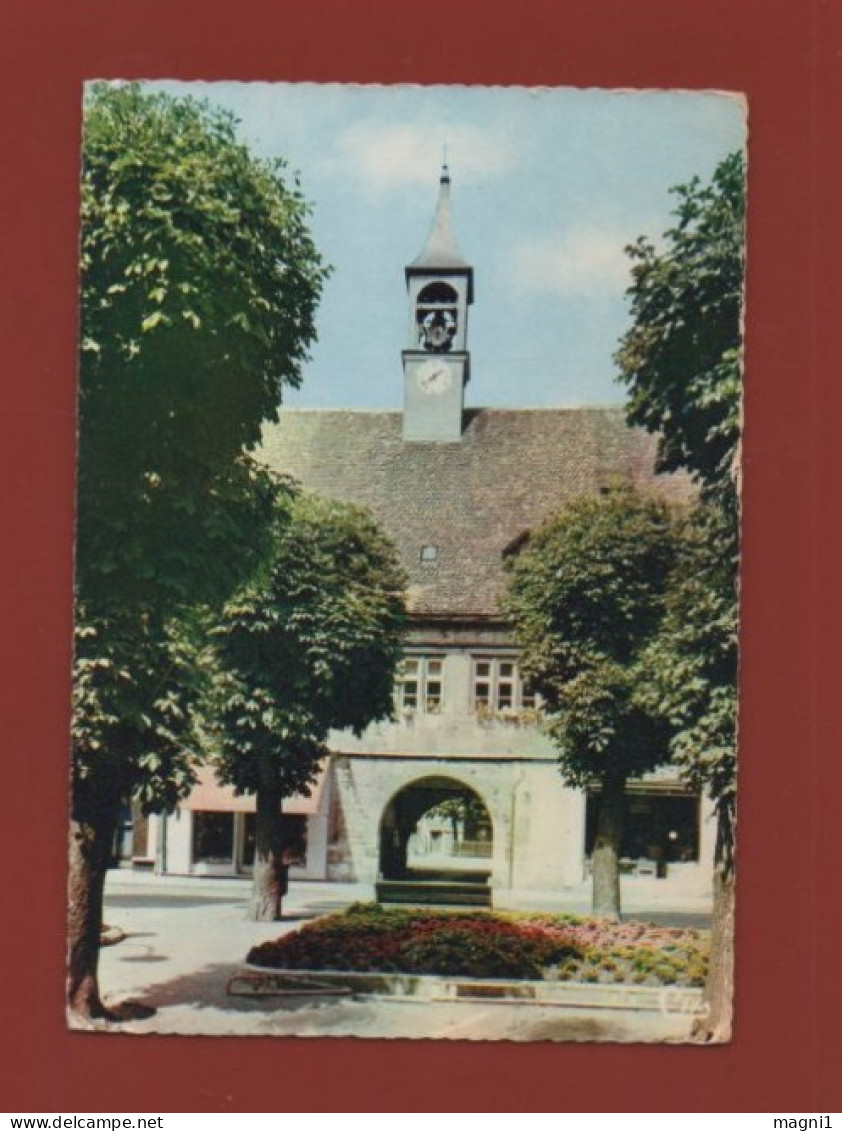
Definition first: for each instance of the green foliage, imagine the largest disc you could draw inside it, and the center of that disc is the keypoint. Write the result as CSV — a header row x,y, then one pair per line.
x,y
503,952
681,357
137,684
691,667
586,596
309,645
682,360
465,807
199,284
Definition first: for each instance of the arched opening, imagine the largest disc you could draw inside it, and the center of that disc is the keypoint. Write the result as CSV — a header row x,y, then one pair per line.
x,y
436,316
436,843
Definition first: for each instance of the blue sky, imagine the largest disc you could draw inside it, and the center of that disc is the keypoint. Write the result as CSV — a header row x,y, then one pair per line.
x,y
549,185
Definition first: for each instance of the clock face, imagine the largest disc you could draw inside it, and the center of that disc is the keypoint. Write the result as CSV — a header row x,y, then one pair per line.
x,y
434,377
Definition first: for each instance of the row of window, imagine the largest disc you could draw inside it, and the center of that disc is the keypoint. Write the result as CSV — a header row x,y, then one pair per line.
x,y
226,840
495,685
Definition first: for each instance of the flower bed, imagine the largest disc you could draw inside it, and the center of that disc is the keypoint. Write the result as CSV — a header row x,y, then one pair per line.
x,y
368,937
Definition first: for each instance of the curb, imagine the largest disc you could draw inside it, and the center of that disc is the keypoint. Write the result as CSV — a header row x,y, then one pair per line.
x,y
442,988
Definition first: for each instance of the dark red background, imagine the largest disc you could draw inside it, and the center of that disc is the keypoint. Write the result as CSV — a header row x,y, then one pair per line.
x,y
786,57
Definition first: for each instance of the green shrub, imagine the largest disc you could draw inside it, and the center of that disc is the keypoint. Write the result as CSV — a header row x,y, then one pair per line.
x,y
482,953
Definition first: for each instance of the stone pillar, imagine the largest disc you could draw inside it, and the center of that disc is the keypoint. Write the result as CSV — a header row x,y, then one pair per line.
x,y
707,841
574,856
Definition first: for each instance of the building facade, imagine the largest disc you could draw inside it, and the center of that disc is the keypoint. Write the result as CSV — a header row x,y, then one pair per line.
x,y
461,784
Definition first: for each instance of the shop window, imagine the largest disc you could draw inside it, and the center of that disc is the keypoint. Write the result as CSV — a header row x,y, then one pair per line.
x,y
213,839
293,839
419,684
656,828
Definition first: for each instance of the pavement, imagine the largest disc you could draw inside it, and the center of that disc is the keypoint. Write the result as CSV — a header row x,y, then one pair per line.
x,y
186,937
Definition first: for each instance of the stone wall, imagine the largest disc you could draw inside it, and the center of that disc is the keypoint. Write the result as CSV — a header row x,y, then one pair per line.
x,y
538,825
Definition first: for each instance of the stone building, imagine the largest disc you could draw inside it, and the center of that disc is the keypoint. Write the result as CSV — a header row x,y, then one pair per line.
x,y
463,763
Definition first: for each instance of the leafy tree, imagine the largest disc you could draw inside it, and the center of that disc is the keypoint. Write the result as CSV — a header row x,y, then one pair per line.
x,y
309,646
681,360
199,284
462,809
586,597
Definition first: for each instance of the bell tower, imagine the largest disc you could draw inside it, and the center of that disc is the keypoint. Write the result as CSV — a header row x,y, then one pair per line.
x,y
436,364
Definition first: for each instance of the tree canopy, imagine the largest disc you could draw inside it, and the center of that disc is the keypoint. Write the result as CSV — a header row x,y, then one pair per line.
x,y
691,666
310,645
199,285
681,358
682,362
585,597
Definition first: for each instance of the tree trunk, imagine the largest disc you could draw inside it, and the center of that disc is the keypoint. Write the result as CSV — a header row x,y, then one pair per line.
x,y
91,840
716,1024
606,852
269,883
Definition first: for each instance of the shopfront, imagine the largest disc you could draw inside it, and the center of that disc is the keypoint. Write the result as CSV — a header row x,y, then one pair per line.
x,y
213,832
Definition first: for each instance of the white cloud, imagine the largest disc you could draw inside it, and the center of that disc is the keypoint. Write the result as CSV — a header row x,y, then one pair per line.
x,y
587,262
394,155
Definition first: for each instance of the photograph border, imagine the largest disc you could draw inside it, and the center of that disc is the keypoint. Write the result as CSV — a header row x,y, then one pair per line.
x,y
783,56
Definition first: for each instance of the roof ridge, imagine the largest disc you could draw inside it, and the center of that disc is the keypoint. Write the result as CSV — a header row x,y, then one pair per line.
x,y
360,411
468,409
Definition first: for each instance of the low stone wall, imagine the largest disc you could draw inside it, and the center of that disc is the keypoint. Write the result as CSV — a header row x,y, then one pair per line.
x,y
427,987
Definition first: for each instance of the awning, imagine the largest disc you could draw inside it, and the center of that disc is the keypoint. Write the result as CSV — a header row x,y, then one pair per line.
x,y
210,796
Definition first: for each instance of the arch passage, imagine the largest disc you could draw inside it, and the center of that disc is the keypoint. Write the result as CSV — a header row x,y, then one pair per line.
x,y
436,828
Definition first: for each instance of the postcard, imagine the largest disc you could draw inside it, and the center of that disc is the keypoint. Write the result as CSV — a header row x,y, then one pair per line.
x,y
407,555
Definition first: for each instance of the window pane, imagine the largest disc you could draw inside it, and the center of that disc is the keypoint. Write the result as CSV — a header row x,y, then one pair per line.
x,y
505,695
410,693
294,837
481,693
409,667
483,668
433,693
434,667
655,829
213,838
249,829
507,670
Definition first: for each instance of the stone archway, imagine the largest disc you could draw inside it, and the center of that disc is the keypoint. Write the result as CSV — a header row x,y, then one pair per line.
x,y
462,861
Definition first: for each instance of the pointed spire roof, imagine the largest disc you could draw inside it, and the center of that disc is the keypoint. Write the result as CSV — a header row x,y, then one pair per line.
x,y
441,251
441,254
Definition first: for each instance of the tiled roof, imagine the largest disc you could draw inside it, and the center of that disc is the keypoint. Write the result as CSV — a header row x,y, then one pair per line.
x,y
471,500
